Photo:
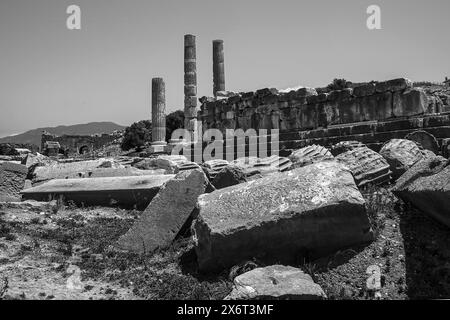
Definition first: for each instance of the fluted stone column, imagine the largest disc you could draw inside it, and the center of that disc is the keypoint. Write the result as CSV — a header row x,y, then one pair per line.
x,y
158,114
218,67
190,84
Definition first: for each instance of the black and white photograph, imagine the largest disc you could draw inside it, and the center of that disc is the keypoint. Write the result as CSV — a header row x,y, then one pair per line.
x,y
224,155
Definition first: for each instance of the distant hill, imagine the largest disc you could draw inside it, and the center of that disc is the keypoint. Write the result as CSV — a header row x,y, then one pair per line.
x,y
34,136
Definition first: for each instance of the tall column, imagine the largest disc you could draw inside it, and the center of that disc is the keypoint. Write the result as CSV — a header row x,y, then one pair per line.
x,y
158,112
190,84
218,66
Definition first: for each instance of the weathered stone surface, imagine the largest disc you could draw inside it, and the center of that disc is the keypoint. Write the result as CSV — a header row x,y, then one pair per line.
x,y
229,176
275,282
345,146
427,186
173,163
148,164
424,139
409,103
262,166
32,205
206,99
446,148
265,92
12,180
70,170
367,166
226,94
119,172
340,95
364,90
124,191
401,154
313,210
213,167
166,214
375,107
304,92
394,85
37,160
309,155
188,165
9,158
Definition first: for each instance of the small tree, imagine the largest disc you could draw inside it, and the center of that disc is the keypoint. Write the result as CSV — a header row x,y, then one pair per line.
x,y
137,135
339,84
174,120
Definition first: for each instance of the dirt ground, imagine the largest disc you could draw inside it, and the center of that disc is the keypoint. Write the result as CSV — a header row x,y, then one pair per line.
x,y
68,254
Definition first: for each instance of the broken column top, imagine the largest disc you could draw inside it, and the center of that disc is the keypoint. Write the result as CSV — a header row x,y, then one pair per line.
x,y
157,80
189,40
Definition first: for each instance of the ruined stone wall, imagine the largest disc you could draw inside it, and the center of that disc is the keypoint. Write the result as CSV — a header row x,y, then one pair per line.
x,y
305,109
76,144
371,113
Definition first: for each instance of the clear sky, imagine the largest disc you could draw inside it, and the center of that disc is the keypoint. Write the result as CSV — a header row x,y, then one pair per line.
x,y
50,75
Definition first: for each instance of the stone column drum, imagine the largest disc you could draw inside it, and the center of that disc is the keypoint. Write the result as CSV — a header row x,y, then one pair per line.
x,y
158,112
218,67
190,84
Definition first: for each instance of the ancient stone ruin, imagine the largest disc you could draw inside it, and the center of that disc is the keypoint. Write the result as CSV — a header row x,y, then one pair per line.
x,y
72,145
370,113
350,170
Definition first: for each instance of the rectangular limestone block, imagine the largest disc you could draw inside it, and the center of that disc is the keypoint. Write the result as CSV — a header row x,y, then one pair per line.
x,y
364,90
375,107
410,102
309,116
166,215
349,111
394,85
311,211
330,111
127,191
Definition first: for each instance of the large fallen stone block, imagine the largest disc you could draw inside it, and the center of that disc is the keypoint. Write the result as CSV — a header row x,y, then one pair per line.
x,y
309,211
168,212
70,170
367,166
37,160
169,162
309,155
213,167
122,191
229,176
275,283
345,146
12,180
426,185
425,140
262,166
401,154
119,172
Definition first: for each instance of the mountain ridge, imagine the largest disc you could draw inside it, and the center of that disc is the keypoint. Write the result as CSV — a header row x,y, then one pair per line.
x,y
34,136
